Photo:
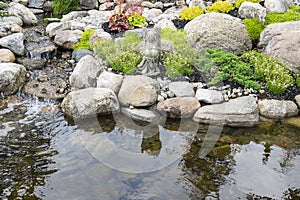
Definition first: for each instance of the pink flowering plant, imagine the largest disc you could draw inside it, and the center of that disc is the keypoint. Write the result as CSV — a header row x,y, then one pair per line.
x,y
127,16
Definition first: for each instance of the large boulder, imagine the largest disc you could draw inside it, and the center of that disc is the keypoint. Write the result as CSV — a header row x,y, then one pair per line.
x,y
282,41
277,109
182,89
110,80
214,30
67,38
12,77
209,96
86,72
240,112
278,6
14,42
179,107
138,91
23,12
252,10
6,56
90,102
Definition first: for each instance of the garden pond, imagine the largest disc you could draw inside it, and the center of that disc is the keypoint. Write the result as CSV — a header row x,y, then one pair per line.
x,y
45,156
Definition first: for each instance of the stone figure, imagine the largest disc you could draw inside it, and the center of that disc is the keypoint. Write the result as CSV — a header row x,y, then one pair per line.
x,y
150,62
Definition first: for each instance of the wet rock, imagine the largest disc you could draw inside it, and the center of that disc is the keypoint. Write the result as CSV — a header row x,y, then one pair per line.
x,y
12,77
240,112
7,56
23,12
110,80
14,42
67,38
99,101
44,89
141,114
209,96
217,30
252,10
181,89
277,6
31,64
78,54
36,3
282,41
89,4
12,20
277,109
138,91
165,23
179,107
294,121
86,72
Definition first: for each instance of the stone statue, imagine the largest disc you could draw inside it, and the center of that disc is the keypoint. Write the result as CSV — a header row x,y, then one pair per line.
x,y
150,63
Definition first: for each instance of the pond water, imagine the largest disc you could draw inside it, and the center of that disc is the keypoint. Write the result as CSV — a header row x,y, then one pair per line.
x,y
43,156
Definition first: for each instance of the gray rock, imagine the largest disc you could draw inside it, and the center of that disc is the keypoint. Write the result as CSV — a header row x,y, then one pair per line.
x,y
181,89
179,107
31,64
138,91
74,25
23,12
240,112
89,4
99,34
199,3
7,56
297,99
7,28
99,101
73,15
12,20
86,72
14,42
36,3
253,10
67,38
12,77
78,54
278,6
165,23
110,80
214,30
148,4
141,114
53,28
277,109
151,14
209,96
282,41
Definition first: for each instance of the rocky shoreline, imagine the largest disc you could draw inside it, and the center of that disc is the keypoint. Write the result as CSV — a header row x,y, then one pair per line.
x,y
42,63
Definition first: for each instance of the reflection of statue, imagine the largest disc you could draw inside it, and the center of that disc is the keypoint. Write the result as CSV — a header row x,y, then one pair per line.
x,y
150,63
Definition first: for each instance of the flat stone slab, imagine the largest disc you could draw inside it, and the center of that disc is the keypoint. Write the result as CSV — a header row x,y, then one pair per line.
x,y
209,96
240,112
141,114
181,89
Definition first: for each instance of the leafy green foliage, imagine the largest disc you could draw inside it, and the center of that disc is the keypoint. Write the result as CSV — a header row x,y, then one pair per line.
x,y
84,41
221,7
62,7
254,27
230,67
293,14
270,70
137,20
238,3
120,56
176,65
191,13
298,82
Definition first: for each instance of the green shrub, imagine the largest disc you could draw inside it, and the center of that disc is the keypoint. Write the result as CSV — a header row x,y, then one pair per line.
x,y
298,82
238,3
84,42
191,13
221,7
122,55
176,65
271,70
137,20
293,14
254,28
230,67
62,7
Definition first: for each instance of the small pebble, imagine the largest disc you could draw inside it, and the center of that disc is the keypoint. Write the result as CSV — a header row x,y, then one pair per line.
x,y
160,98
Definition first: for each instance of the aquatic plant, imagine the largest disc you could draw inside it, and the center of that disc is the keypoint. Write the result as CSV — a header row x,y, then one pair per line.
x,y
190,13
62,7
221,7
